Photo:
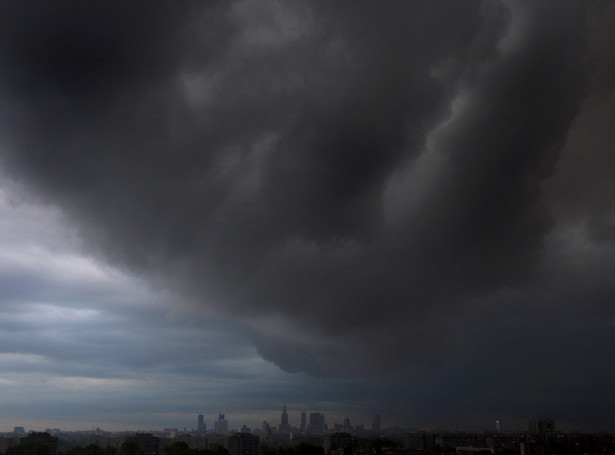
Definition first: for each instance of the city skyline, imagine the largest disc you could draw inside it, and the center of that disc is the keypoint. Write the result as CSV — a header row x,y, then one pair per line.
x,y
256,422
401,208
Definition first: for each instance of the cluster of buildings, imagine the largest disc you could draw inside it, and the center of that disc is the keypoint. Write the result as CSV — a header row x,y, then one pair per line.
x,y
143,443
19,438
313,423
245,441
540,439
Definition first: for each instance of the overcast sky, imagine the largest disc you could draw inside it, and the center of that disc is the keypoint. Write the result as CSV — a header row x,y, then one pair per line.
x,y
403,208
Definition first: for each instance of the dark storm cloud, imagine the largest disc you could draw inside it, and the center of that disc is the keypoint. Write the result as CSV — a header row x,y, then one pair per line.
x,y
355,181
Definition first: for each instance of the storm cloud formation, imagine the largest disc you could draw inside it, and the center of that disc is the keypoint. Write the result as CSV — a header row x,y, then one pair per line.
x,y
416,190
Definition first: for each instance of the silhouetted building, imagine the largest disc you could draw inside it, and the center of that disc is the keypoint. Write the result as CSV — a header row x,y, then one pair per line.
x,y
418,441
8,443
170,432
221,425
542,428
376,423
43,440
338,443
509,441
588,443
194,442
347,426
147,444
101,440
303,422
284,426
266,428
201,425
460,439
471,450
534,448
216,440
243,444
317,422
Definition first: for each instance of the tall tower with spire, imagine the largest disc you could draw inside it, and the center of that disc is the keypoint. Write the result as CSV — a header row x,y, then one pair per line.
x,y
221,425
284,426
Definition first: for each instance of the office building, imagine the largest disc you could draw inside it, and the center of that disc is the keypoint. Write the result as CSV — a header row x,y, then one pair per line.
x,y
317,422
243,444
376,423
543,429
221,425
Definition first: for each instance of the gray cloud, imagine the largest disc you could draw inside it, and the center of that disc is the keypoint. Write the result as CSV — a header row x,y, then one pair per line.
x,y
357,184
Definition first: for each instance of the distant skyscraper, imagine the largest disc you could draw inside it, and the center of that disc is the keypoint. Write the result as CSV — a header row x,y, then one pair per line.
x,y
347,426
201,426
221,425
376,423
303,422
544,428
317,422
284,426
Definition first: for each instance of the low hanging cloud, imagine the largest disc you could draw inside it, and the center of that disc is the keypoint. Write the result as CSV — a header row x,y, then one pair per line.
x,y
362,185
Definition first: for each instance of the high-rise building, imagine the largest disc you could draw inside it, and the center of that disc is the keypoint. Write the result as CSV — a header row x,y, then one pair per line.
x,y
317,422
284,426
8,442
347,426
544,428
201,425
221,425
376,423
303,422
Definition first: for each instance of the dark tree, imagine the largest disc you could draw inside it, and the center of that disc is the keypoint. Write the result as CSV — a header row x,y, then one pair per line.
x,y
129,448
177,448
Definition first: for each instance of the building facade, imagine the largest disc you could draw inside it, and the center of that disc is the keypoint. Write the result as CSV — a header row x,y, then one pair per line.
x,y
317,422
284,426
221,425
243,444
